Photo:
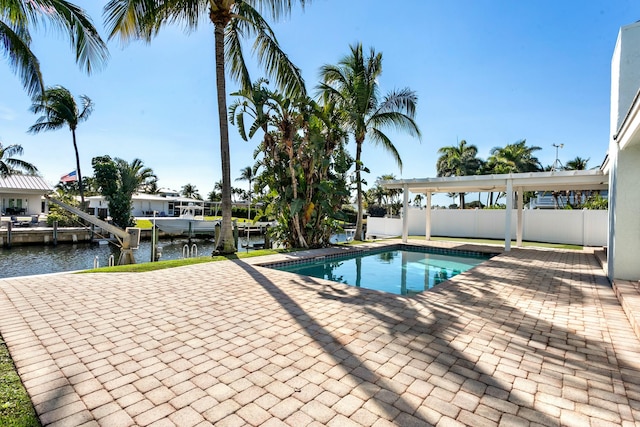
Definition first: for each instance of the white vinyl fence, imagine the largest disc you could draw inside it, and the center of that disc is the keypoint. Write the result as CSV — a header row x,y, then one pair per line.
x,y
578,227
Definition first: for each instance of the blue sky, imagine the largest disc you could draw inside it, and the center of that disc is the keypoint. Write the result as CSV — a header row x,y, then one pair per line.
x,y
489,72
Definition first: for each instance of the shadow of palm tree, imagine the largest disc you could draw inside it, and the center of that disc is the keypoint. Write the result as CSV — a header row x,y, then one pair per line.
x,y
468,335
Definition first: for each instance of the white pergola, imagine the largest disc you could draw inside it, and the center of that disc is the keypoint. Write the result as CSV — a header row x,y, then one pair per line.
x,y
506,183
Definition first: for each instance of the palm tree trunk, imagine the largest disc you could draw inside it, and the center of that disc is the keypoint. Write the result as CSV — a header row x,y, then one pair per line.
x,y
225,243
80,186
358,234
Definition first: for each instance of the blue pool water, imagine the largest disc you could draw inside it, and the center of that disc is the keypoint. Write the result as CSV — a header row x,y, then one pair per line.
x,y
398,271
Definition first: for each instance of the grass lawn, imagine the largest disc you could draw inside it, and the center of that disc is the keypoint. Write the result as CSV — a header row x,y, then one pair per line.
x,y
501,242
16,409
150,266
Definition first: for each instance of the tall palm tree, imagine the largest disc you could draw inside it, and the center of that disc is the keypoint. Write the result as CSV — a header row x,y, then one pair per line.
x,y
190,191
9,165
59,108
17,17
353,85
458,160
231,19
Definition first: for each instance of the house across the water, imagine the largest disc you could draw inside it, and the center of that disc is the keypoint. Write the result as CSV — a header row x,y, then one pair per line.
x,y
23,195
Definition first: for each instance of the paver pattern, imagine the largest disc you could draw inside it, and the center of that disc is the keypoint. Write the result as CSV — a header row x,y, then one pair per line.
x,y
531,337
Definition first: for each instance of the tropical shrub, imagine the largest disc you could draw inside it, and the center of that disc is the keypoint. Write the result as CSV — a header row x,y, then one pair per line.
x,y
302,162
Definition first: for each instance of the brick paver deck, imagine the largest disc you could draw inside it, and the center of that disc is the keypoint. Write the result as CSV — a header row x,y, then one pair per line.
x,y
532,337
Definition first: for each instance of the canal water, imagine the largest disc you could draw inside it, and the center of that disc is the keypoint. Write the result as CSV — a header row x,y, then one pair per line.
x,y
30,260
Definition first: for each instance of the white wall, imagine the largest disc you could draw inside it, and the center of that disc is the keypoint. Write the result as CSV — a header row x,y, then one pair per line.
x,y
579,227
625,73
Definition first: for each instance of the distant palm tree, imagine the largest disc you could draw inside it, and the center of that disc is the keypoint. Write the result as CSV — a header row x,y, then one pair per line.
x,y
17,17
232,20
9,165
190,191
458,160
134,176
59,108
514,158
151,187
577,164
247,174
353,85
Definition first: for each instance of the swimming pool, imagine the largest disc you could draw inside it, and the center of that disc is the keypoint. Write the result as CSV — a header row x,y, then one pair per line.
x,y
402,270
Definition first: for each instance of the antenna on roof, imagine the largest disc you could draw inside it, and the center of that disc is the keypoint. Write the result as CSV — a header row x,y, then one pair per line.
x,y
557,165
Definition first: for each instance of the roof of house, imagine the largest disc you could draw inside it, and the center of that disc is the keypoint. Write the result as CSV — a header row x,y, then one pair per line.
x,y
15,183
530,181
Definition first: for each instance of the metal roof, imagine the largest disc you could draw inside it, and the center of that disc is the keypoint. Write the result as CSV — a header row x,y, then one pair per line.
x,y
533,181
24,183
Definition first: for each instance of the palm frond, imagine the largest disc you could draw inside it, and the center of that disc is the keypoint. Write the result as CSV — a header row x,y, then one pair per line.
x,y
15,45
91,52
397,120
234,55
277,64
131,19
379,138
276,8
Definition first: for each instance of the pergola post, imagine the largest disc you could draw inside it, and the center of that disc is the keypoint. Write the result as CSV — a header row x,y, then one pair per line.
x,y
405,213
427,234
507,218
519,216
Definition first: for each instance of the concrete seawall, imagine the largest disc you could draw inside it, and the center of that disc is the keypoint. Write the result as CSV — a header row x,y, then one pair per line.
x,y
47,236
43,236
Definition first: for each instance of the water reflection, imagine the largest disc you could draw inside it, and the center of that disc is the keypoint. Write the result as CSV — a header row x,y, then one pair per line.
x,y
30,260
398,272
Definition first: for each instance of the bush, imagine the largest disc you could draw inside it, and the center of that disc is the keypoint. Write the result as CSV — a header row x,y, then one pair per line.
x,y
596,202
376,211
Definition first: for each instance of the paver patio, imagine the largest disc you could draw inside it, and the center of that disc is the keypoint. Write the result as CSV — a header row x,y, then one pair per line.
x,y
531,337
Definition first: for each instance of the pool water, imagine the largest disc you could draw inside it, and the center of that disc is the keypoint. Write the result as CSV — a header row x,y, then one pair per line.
x,y
401,271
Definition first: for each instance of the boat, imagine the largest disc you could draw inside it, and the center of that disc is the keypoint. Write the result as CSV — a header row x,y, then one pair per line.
x,y
187,223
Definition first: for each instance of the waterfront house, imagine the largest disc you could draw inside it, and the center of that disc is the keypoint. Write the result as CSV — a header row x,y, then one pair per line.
x,y
23,195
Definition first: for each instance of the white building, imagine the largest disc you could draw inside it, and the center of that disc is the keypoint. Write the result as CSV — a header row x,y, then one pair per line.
x,y
23,195
623,161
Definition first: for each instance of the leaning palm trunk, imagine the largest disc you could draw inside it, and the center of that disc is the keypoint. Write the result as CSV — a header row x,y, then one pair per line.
x,y
225,243
80,186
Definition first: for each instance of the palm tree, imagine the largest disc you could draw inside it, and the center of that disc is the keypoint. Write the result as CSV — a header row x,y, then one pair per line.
x,y
353,85
231,19
514,158
59,108
190,191
458,160
577,164
17,17
247,174
134,176
9,165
